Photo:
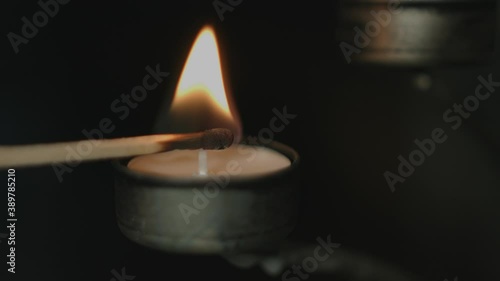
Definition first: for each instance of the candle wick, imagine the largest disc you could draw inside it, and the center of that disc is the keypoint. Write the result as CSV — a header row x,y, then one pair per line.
x,y
202,162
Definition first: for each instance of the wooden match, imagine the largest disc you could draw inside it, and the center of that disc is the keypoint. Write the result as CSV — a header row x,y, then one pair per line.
x,y
99,149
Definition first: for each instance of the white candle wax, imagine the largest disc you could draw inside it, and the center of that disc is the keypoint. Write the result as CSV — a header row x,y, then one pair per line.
x,y
238,160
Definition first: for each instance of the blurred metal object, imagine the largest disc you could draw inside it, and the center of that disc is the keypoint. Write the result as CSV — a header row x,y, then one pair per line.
x,y
341,264
419,32
247,215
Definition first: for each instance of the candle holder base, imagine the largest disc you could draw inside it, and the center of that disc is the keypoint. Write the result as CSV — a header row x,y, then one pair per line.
x,y
244,215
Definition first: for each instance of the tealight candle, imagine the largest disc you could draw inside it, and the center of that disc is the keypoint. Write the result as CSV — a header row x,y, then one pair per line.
x,y
243,203
238,160
240,199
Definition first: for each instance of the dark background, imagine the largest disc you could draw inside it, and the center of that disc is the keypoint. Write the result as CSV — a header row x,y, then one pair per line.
x,y
352,124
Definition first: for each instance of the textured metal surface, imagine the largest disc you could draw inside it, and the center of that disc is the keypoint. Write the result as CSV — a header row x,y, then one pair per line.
x,y
420,32
246,215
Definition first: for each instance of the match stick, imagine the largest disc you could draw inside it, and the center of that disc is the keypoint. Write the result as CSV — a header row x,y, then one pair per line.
x,y
99,149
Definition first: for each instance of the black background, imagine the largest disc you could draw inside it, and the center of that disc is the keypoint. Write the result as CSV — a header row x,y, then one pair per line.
x,y
352,124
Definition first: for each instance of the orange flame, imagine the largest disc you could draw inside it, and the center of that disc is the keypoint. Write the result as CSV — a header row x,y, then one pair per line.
x,y
201,99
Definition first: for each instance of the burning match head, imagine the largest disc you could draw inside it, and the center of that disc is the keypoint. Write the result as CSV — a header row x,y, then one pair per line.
x,y
216,139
